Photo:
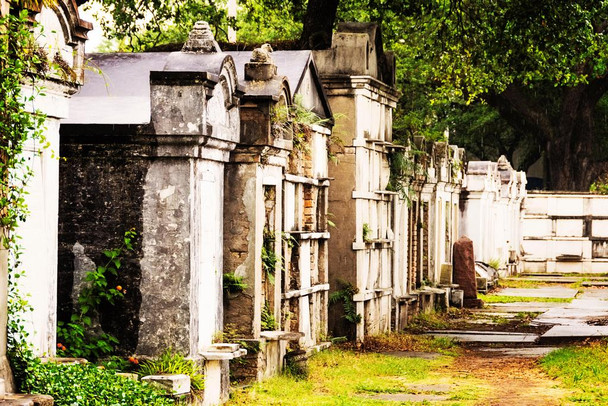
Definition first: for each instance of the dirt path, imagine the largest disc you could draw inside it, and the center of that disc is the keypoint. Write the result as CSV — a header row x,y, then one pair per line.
x,y
514,381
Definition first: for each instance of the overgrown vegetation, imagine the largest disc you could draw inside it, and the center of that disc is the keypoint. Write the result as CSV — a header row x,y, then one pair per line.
x,y
82,335
172,363
22,63
234,283
345,295
87,384
583,368
366,233
269,323
402,341
339,377
600,185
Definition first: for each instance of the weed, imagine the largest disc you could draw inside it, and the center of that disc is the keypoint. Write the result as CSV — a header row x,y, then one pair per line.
x,y
233,283
345,295
583,368
170,362
269,322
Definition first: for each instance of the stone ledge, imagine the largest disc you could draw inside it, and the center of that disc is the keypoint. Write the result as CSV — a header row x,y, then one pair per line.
x,y
18,399
281,335
223,352
178,384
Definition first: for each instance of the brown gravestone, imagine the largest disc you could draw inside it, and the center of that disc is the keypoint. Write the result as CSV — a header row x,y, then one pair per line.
x,y
464,271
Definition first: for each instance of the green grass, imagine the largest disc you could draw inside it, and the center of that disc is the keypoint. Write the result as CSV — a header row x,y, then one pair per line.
x,y
584,369
340,377
514,299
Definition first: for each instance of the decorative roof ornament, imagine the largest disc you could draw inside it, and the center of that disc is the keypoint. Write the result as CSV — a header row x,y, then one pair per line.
x,y
201,39
262,54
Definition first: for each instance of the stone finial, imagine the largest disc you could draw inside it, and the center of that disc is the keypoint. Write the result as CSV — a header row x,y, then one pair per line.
x,y
261,65
201,39
262,54
504,164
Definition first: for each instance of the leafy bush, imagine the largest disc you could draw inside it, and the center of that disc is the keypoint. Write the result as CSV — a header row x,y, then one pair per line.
x,y
80,337
234,283
77,384
170,362
269,323
600,186
345,295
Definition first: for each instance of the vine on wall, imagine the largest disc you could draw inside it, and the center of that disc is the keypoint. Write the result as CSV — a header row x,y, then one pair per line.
x,y
21,63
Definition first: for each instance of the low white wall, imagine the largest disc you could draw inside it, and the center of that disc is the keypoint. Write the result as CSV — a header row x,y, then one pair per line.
x,y
565,232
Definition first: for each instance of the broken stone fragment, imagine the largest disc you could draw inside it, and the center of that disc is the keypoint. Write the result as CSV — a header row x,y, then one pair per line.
x,y
174,384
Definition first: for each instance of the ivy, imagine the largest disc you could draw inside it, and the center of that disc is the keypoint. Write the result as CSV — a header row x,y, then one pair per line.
x,y
21,64
80,336
345,295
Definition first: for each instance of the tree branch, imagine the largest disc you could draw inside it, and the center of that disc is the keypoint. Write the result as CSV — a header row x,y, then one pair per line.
x,y
522,112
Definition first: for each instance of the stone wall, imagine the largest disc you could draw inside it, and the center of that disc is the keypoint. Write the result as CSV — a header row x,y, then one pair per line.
x,y
491,212
64,38
565,232
361,89
164,179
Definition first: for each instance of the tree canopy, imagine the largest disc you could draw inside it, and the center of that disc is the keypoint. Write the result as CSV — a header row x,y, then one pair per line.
x,y
516,77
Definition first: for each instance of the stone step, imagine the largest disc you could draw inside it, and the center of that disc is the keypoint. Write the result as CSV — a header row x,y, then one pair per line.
x,y
565,334
486,337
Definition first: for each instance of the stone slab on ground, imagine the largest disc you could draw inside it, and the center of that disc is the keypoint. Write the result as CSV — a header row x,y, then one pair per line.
x,y
588,304
518,307
550,292
546,279
594,293
18,399
595,283
489,337
408,397
570,316
412,354
520,352
437,388
559,334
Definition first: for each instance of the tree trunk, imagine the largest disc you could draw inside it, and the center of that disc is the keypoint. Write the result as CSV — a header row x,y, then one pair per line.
x,y
569,141
318,24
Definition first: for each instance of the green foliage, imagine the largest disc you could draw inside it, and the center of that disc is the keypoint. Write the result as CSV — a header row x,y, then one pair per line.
x,y
234,283
345,295
270,259
269,323
80,337
21,63
495,263
171,363
338,377
86,384
584,369
600,186
366,233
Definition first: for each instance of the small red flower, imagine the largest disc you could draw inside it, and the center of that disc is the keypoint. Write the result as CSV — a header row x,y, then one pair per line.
x,y
118,287
59,345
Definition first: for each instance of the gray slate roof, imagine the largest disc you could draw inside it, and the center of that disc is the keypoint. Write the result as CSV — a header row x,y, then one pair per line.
x,y
120,94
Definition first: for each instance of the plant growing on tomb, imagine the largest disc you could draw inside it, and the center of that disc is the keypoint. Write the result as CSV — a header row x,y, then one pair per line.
x,y
600,186
403,168
21,64
234,283
367,233
270,259
87,384
269,323
171,363
345,295
81,336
